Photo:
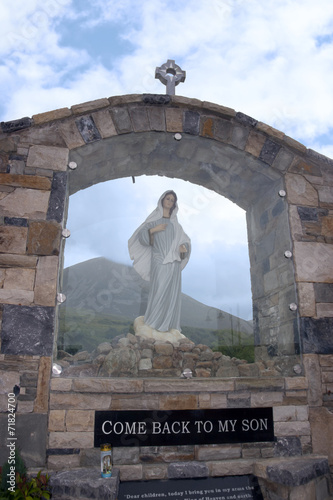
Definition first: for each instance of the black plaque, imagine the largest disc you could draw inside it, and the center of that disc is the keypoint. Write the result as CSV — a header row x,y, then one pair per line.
x,y
183,427
213,488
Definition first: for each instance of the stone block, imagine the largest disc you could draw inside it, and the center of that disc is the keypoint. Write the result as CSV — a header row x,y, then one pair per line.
x,y
70,134
44,238
300,191
232,467
139,118
323,292
126,455
71,439
104,123
130,472
297,383
8,379
91,457
298,471
218,452
174,119
263,399
324,310
325,195
314,262
46,281
222,129
317,336
178,402
88,130
269,151
151,472
293,428
121,120
13,239
283,160
68,401
125,386
306,299
191,122
59,462
183,385
162,362
57,420
187,470
42,396
58,194
165,349
239,137
156,117
84,483
49,116
255,143
80,420
288,447
322,419
12,260
19,279
31,434
218,401
27,330
145,364
25,181
60,384
48,157
18,297
90,106
134,402
29,203
284,413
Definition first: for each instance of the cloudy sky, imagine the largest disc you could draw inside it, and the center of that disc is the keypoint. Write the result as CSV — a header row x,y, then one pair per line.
x,y
270,59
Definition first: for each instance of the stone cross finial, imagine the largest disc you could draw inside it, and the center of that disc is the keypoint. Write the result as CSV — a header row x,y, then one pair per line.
x,y
170,74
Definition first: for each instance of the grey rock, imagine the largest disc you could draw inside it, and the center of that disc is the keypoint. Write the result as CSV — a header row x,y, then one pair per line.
x,y
317,335
88,129
27,330
298,472
288,447
84,483
187,469
191,122
269,151
57,197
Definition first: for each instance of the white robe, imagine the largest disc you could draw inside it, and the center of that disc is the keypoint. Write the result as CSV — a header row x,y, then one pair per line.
x,y
161,264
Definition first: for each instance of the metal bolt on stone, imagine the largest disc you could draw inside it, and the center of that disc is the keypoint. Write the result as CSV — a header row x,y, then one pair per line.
x,y
170,74
178,137
72,165
61,297
288,254
293,306
66,233
282,193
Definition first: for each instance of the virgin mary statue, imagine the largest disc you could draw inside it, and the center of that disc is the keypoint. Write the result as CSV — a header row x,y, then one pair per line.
x,y
160,250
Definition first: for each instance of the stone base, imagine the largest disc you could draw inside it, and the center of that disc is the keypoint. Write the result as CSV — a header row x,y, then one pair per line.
x,y
142,330
84,483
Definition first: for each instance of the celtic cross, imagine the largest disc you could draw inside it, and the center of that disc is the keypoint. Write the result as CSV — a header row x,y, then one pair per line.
x,y
170,74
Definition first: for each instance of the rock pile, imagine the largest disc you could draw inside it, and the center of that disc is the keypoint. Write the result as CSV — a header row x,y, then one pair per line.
x,y
134,356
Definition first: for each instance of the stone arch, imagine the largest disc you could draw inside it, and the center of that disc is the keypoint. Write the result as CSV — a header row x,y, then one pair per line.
x,y
257,167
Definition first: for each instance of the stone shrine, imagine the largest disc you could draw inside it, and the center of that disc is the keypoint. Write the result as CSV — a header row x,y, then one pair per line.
x,y
286,190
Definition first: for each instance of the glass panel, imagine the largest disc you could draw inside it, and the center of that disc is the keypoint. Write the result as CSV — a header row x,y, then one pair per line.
x,y
104,294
